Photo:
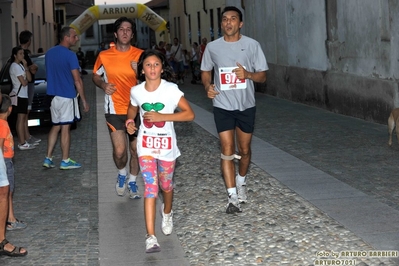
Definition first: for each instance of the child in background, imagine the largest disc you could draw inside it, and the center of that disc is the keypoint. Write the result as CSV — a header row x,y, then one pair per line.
x,y
156,100
7,148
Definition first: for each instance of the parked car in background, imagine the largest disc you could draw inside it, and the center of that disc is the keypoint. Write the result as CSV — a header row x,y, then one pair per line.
x,y
40,114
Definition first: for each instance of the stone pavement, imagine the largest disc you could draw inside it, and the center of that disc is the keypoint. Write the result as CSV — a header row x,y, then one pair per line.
x,y
60,207
319,182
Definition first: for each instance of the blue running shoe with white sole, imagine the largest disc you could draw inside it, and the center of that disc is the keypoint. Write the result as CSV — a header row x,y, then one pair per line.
x,y
48,162
120,185
71,164
133,190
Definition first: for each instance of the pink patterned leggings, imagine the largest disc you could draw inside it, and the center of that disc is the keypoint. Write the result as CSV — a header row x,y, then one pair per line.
x,y
153,170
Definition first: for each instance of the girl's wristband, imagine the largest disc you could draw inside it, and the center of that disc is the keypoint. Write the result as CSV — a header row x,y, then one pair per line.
x,y
128,122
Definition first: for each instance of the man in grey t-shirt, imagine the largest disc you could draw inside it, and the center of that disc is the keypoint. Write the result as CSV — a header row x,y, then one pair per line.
x,y
238,61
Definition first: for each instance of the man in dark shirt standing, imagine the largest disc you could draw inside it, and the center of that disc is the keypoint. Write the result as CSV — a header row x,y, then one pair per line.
x,y
82,62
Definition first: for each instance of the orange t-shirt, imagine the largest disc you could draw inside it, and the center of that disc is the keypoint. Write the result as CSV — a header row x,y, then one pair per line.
x,y
115,67
5,133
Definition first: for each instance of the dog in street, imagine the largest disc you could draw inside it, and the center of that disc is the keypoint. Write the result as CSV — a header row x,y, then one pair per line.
x,y
393,122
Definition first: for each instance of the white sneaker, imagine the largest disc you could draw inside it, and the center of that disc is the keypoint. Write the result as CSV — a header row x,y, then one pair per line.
x,y
167,222
26,146
151,244
242,193
233,206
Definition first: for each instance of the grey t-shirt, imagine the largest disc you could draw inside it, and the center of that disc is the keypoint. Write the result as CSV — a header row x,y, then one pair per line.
x,y
223,56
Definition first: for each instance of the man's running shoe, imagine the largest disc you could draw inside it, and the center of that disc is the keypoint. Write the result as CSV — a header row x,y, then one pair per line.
x,y
167,222
151,244
242,193
120,185
71,164
48,162
234,205
133,190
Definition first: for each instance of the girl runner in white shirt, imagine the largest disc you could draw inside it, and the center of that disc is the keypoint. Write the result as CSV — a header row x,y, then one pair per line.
x,y
156,100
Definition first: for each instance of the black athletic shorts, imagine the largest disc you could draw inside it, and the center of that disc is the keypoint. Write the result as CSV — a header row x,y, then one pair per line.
x,y
117,122
22,106
228,120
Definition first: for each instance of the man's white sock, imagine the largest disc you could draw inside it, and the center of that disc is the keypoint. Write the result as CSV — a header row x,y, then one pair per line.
x,y
240,180
122,171
132,178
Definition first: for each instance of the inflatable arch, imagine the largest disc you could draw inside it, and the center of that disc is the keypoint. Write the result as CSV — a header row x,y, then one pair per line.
x,y
140,11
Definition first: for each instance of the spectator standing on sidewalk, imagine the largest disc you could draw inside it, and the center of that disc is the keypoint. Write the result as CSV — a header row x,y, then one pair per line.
x,y
233,96
168,53
101,48
20,76
6,248
63,76
7,149
82,60
186,63
25,39
115,72
155,100
194,63
204,42
176,60
81,57
161,47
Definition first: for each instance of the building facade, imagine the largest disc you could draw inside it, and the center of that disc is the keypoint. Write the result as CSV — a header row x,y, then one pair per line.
x,y
36,16
190,21
334,54
338,55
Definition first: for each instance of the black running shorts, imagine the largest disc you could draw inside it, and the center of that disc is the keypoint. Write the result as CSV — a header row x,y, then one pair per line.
x,y
228,120
117,122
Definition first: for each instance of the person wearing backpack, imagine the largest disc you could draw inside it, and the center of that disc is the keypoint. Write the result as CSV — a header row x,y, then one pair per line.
x,y
20,77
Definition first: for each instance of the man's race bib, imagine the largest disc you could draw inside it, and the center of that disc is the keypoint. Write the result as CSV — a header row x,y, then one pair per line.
x,y
229,80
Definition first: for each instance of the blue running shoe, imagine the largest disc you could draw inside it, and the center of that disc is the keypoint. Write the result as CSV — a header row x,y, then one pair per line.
x,y
48,162
120,186
133,190
71,164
